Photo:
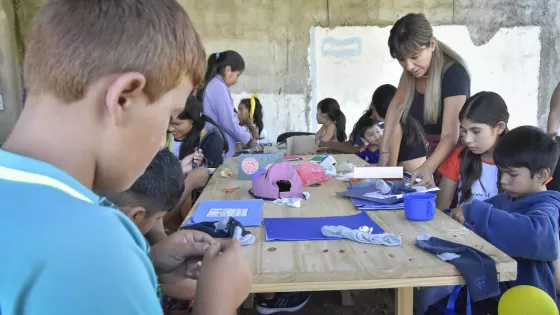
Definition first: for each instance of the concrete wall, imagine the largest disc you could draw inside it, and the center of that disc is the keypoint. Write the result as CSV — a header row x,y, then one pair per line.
x,y
279,40
511,46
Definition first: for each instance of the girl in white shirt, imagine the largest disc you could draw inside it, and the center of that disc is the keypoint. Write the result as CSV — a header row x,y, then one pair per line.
x,y
469,170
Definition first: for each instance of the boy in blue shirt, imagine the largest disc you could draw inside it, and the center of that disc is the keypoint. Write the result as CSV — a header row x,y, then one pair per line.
x,y
371,133
151,196
103,80
522,221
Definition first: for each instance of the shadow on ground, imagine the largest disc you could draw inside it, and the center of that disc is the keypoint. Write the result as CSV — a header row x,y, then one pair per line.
x,y
366,302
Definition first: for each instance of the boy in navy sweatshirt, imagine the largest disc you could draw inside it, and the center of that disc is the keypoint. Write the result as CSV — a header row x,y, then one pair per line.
x,y
522,221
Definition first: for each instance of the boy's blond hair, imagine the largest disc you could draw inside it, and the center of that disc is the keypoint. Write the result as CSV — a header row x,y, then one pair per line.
x,y
73,43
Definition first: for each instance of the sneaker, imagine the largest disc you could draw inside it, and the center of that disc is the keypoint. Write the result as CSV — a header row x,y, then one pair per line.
x,y
282,302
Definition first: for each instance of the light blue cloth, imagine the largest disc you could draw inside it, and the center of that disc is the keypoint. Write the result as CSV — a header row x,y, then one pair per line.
x,y
62,252
385,239
218,105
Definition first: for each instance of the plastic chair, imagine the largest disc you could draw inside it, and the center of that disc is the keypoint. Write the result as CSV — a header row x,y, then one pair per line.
x,y
526,300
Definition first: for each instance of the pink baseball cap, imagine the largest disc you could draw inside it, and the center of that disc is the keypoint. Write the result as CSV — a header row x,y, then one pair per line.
x,y
279,181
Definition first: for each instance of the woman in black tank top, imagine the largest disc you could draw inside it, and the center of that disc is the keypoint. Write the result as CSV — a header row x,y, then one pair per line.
x,y
433,87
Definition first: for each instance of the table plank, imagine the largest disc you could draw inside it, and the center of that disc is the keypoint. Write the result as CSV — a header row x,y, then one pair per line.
x,y
342,264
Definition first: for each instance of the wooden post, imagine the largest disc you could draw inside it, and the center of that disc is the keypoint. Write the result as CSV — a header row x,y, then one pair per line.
x,y
404,301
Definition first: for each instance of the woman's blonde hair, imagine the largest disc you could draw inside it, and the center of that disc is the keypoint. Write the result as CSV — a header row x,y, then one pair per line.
x,y
407,38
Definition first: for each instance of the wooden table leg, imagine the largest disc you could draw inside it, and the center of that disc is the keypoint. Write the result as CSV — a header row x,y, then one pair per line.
x,y
249,302
404,300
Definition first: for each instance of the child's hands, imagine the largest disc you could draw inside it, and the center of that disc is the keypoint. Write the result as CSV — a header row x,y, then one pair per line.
x,y
187,163
197,178
225,277
198,157
183,290
178,256
246,122
458,215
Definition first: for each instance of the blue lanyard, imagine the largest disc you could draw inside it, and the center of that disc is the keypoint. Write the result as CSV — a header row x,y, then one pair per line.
x,y
450,307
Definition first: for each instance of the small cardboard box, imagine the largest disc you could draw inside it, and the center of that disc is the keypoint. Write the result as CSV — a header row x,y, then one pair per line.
x,y
301,145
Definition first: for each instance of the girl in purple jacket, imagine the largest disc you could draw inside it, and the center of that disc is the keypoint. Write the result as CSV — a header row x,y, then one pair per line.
x,y
224,69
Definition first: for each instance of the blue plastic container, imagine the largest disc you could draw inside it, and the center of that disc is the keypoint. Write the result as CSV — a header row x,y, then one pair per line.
x,y
419,206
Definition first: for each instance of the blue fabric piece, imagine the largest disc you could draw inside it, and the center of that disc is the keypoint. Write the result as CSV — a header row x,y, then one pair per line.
x,y
477,268
362,204
217,210
305,229
369,156
361,193
431,296
227,228
68,255
525,229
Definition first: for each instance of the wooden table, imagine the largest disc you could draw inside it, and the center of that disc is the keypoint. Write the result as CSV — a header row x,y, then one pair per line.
x,y
346,265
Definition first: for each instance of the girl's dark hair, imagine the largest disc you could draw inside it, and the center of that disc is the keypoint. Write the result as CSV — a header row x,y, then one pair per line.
x,y
217,63
363,123
486,108
413,132
331,107
380,100
258,115
382,97
193,111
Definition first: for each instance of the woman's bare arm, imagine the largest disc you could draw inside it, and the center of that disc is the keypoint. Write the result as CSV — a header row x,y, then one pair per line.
x,y
395,148
342,147
554,114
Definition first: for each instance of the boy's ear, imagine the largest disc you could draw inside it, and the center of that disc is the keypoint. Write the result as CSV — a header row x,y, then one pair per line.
x,y
543,176
137,215
122,93
501,127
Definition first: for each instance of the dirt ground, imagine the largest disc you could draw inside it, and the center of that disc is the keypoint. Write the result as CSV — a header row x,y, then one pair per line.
x,y
366,302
